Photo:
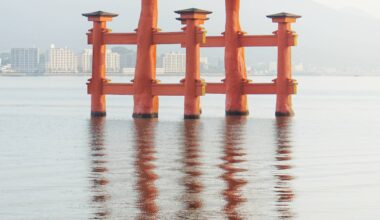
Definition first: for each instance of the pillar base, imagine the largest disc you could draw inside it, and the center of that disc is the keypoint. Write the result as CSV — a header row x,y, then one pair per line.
x,y
284,114
192,117
237,113
98,114
151,115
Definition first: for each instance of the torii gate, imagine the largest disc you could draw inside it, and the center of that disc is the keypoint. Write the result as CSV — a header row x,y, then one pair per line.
x,y
146,88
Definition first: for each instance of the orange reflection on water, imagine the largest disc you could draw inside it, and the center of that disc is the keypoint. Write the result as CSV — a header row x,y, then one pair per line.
x,y
191,169
146,177
283,187
233,156
98,172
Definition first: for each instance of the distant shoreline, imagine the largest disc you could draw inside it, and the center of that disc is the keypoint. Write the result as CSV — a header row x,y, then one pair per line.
x,y
177,74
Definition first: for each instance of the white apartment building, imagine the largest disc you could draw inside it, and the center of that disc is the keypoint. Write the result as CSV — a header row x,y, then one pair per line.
x,y
61,60
174,62
85,61
112,61
25,60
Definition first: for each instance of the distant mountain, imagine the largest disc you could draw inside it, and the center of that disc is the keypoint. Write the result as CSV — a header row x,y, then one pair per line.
x,y
327,38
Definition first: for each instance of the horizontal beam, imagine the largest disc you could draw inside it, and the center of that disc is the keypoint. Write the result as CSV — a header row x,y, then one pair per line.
x,y
116,38
172,89
258,41
215,88
120,38
267,88
169,38
168,89
214,41
211,41
259,88
118,89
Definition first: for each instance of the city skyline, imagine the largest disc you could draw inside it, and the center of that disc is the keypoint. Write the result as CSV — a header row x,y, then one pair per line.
x,y
59,60
126,64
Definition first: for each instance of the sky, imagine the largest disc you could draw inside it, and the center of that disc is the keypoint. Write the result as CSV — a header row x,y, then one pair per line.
x,y
39,23
371,7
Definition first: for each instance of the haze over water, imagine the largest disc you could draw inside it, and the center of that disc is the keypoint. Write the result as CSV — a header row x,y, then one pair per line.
x,y
58,163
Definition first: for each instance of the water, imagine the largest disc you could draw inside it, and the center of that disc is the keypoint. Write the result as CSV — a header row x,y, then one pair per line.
x,y
57,163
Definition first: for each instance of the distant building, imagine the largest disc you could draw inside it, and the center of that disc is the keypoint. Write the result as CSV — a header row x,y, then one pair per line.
x,y
5,58
42,64
112,62
61,60
6,68
174,62
127,57
85,61
204,63
25,60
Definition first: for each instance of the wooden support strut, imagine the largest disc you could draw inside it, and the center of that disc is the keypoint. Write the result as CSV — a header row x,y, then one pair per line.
x,y
210,41
192,18
284,66
95,84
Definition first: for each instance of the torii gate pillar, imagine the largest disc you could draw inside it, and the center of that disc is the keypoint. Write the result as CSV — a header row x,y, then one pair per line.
x,y
98,99
193,18
145,103
236,73
284,62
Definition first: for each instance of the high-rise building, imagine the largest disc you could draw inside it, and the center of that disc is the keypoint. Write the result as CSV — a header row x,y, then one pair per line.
x,y
127,57
25,60
204,63
112,61
61,60
174,62
85,61
5,58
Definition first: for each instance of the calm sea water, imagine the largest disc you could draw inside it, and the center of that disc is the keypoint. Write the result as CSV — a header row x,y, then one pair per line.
x,y
58,163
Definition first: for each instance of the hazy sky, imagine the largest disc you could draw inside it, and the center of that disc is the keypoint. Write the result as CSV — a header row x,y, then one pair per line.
x,y
370,6
27,23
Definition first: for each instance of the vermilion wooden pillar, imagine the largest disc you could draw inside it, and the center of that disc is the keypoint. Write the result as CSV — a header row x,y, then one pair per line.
x,y
192,18
145,104
284,62
98,99
235,67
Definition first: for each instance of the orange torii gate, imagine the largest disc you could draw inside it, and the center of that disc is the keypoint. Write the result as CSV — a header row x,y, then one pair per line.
x,y
146,88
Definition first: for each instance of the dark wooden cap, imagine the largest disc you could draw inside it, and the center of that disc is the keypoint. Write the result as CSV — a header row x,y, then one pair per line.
x,y
100,14
284,15
193,11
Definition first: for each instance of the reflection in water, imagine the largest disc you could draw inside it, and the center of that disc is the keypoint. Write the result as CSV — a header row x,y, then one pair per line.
x,y
98,169
233,156
194,177
146,177
283,188
191,169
